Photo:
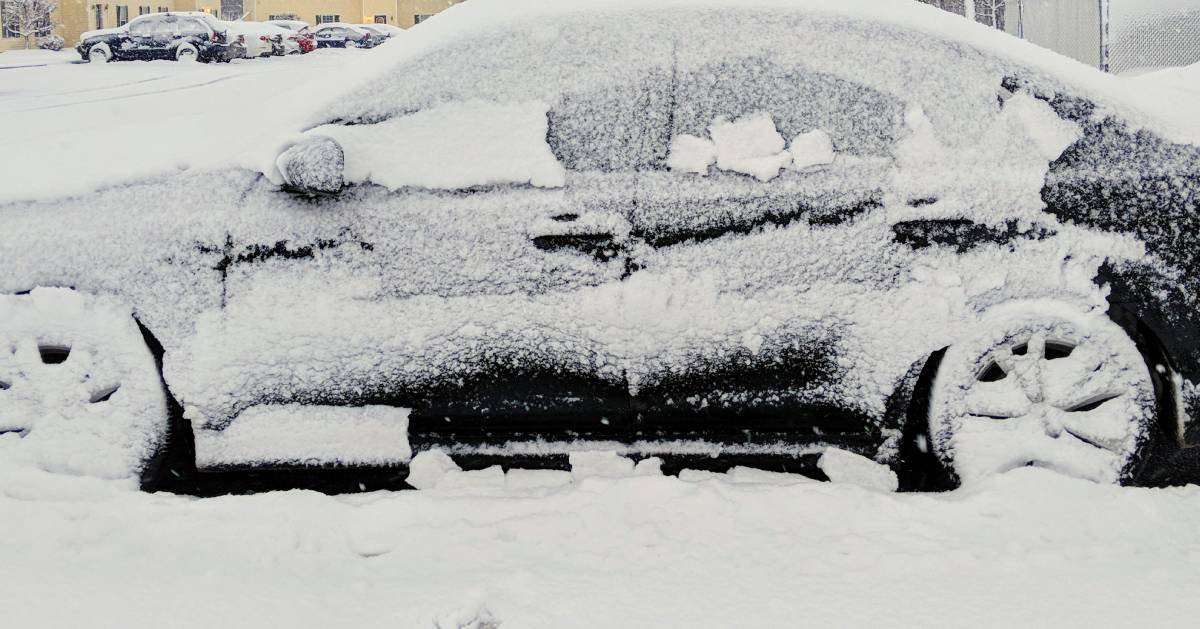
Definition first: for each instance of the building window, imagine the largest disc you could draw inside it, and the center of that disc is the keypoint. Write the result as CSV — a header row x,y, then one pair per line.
x,y
421,17
163,9
143,10
283,16
328,19
122,15
381,19
98,12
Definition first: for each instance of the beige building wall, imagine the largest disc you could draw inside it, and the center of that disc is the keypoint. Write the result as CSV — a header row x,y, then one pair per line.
x,y
403,13
73,17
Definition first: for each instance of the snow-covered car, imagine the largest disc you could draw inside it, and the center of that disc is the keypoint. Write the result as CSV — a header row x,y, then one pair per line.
x,y
338,35
382,32
258,39
388,30
183,36
670,231
301,33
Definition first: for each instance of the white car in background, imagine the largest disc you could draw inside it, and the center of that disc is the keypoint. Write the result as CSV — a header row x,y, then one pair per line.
x,y
257,38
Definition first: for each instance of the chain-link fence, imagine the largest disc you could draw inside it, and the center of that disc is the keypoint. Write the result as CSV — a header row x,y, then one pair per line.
x,y
1122,36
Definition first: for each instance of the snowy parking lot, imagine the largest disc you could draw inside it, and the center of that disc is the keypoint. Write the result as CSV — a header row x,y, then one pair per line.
x,y
1027,549
108,122
601,546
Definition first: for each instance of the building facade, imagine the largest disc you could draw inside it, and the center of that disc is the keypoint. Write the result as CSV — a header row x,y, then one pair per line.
x,y
73,17
402,13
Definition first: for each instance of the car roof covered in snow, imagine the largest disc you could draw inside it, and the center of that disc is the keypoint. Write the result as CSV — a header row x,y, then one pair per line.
x,y
544,49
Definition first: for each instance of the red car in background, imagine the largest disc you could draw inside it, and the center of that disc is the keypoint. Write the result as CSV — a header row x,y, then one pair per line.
x,y
302,33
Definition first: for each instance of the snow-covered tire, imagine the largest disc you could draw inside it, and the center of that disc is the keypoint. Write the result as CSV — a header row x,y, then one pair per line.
x,y
187,52
1042,385
80,392
100,53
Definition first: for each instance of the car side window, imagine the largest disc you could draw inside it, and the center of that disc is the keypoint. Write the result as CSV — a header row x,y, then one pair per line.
x,y
192,28
165,28
142,28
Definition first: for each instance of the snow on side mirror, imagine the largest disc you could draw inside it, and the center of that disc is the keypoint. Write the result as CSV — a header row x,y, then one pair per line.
x,y
315,166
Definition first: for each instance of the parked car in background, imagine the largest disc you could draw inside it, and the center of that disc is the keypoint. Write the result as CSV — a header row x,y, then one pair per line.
x,y
185,36
378,31
258,39
302,33
390,29
339,35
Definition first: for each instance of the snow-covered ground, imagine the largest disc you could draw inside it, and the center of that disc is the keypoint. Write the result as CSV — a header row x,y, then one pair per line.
x,y
1026,549
104,123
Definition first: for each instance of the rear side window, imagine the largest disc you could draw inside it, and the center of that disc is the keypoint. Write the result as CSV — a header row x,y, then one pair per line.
x,y
192,28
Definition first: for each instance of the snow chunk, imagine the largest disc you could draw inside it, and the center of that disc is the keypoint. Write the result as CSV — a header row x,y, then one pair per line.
x,y
1048,133
749,145
814,148
428,467
487,478
524,480
310,435
604,464
648,467
691,154
846,467
452,146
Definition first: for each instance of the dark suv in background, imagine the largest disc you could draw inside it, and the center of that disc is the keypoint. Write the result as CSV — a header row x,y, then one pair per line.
x,y
192,36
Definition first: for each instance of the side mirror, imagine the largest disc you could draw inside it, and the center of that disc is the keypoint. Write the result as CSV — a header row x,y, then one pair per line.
x,y
313,167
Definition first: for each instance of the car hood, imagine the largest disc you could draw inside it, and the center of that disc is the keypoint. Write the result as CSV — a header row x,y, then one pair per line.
x,y
100,32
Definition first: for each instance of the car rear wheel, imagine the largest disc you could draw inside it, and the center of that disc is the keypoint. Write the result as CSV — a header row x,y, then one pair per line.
x,y
79,386
1043,386
100,53
187,52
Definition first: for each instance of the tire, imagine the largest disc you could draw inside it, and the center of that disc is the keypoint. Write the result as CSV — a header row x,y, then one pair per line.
x,y
1042,385
187,52
78,385
99,53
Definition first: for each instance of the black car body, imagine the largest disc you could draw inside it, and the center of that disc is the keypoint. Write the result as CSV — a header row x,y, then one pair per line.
x,y
973,256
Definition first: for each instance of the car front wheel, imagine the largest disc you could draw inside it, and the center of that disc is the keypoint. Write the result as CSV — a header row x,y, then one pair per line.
x,y
80,390
1045,386
100,53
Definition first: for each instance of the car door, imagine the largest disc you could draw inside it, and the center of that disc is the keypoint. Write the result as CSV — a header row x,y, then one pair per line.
x,y
141,34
